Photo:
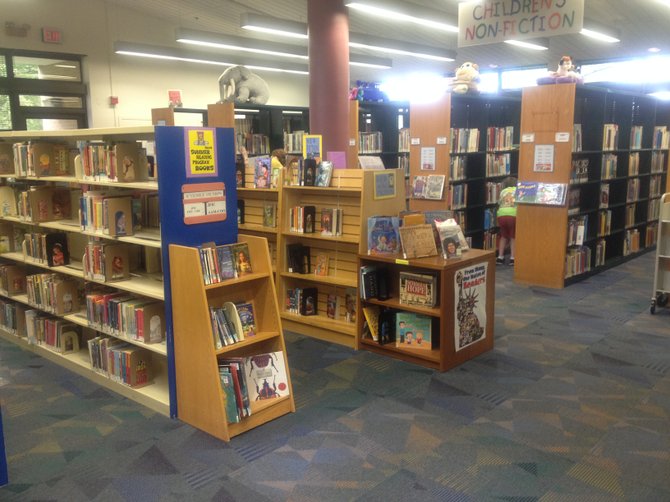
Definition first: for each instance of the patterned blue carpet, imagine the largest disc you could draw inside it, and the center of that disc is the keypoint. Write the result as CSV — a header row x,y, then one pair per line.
x,y
572,404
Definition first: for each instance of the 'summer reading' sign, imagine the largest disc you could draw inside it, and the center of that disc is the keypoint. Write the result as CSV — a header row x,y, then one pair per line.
x,y
492,21
200,152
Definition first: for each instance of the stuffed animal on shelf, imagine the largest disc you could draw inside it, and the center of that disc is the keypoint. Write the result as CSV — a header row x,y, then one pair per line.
x,y
466,79
241,85
565,73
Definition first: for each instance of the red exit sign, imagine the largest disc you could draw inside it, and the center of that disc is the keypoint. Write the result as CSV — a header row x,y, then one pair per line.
x,y
51,36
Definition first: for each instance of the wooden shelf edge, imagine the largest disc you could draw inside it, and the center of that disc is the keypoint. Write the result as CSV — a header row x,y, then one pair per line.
x,y
229,282
259,337
262,415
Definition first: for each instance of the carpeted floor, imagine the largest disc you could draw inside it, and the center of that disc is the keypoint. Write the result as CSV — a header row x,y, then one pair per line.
x,y
572,404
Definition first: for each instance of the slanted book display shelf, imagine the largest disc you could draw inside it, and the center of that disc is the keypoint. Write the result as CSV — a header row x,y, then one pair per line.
x,y
611,150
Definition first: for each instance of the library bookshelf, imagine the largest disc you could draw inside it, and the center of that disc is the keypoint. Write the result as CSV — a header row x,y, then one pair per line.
x,y
453,316
201,400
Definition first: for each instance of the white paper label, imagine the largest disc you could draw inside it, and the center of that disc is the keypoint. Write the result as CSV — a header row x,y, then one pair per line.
x,y
441,140
415,141
529,137
562,137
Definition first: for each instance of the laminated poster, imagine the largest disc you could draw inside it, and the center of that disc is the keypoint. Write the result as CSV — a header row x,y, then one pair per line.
x,y
470,305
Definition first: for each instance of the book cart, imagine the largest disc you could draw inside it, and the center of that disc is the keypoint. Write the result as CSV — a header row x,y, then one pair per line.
x,y
611,150
661,292
462,320
200,397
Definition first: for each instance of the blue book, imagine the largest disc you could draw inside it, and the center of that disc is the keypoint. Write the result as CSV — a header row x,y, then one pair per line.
x,y
225,259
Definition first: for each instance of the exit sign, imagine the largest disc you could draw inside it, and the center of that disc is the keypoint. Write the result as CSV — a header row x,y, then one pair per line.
x,y
51,36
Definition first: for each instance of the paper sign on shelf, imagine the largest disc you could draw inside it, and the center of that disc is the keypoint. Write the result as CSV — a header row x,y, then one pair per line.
x,y
528,137
562,137
204,202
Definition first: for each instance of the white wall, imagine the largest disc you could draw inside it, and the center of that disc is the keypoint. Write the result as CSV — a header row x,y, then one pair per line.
x,y
90,27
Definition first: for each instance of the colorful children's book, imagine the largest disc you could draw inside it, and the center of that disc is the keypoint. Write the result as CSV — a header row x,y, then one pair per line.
x,y
241,258
262,172
267,376
413,331
246,312
383,237
324,171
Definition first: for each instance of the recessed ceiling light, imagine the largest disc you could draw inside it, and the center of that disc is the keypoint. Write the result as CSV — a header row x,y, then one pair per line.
x,y
654,49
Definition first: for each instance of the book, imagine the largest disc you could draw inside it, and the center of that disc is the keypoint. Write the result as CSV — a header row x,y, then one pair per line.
x,y
414,331
309,301
332,306
434,187
321,266
371,314
241,258
298,258
604,195
370,162
417,289
419,187
324,171
119,217
383,236
234,321
350,304
450,229
327,221
418,241
245,310
6,158
312,146
268,378
232,413
240,211
239,171
308,172
270,214
262,172
57,249
7,201
308,219
150,319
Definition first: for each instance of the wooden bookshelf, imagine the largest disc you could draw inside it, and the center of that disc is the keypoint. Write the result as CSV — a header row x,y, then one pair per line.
x,y
450,346
352,191
201,400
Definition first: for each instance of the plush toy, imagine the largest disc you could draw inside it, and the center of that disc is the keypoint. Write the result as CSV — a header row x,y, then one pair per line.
x,y
241,85
466,79
565,73
367,91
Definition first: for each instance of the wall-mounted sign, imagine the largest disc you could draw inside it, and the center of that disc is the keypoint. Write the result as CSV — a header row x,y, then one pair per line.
x,y
492,21
204,202
544,159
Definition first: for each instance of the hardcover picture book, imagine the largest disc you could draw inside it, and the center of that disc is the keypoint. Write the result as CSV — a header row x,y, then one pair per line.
x,y
309,305
246,312
324,171
434,187
418,289
332,306
119,216
383,237
321,266
413,331
312,146
267,376
57,249
241,258
309,167
418,241
269,214
262,172
239,171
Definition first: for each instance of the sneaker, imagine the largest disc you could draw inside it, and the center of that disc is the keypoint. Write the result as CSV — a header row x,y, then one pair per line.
x,y
500,261
511,261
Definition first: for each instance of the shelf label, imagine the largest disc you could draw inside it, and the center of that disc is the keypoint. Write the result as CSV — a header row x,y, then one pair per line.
x,y
441,140
562,137
200,152
204,202
400,261
528,137
415,141
352,141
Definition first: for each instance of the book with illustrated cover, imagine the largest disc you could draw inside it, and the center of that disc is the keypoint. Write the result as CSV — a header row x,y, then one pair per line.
x,y
232,413
240,211
604,195
312,146
270,214
309,219
414,331
226,263
6,158
241,258
7,201
383,235
247,319
267,376
57,249
308,172
309,301
262,172
118,211
239,171
327,221
321,266
419,187
434,187
332,306
234,321
298,258
324,171
418,289
418,241
131,163
350,304
371,314
451,238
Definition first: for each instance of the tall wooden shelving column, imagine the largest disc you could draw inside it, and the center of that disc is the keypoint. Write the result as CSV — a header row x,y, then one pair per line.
x,y
200,398
429,128
352,191
541,231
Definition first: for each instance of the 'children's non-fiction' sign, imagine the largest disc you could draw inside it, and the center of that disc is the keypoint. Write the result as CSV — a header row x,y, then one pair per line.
x,y
204,202
200,152
492,21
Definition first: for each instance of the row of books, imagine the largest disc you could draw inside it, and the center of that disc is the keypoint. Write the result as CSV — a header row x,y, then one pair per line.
x,y
577,261
256,144
634,164
636,137
661,139
53,293
577,230
120,361
630,215
404,139
117,214
44,203
651,234
633,190
232,323
499,138
457,167
655,185
608,168
124,162
370,142
224,262
579,171
406,330
293,141
303,301
13,318
604,223
269,216
458,196
493,190
631,242
37,158
247,380
658,161
309,172
464,140
56,334
106,261
302,219
610,136
50,248
498,164
124,316
601,253
12,279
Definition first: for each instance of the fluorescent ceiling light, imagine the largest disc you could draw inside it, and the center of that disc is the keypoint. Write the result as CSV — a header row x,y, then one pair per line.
x,y
65,66
600,32
404,12
218,41
266,24
599,36
528,45
396,47
175,54
227,42
654,49
662,95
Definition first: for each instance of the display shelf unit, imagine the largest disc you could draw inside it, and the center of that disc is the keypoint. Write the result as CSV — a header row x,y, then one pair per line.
x,y
476,169
451,317
382,121
661,294
613,188
141,286
201,400
352,191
